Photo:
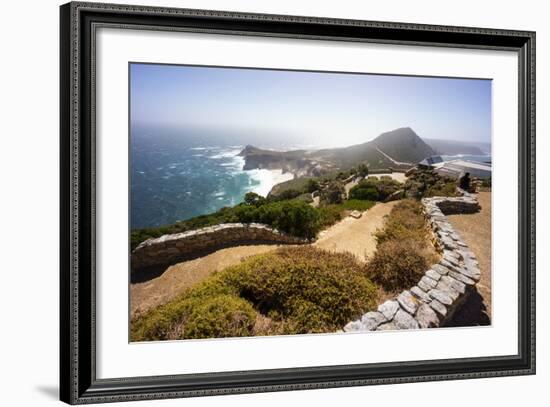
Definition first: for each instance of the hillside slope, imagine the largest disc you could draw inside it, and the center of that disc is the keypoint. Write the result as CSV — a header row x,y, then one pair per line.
x,y
399,148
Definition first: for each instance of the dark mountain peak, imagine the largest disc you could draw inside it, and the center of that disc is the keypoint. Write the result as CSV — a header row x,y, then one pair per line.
x,y
403,144
400,134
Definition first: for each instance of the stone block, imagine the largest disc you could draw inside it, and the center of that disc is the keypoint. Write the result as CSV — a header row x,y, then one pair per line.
x,y
408,302
430,282
462,278
420,294
440,269
404,320
426,317
388,309
371,320
439,308
433,275
441,296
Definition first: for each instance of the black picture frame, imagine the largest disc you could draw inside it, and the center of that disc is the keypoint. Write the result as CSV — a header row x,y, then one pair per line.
x,y
78,382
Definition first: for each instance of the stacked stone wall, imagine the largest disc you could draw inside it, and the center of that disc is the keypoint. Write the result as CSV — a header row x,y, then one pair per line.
x,y
443,288
170,249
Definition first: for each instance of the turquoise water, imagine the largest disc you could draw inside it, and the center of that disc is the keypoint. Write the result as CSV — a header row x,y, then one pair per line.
x,y
179,175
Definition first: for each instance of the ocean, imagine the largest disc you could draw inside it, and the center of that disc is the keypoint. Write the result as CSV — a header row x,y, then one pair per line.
x,y
468,157
177,175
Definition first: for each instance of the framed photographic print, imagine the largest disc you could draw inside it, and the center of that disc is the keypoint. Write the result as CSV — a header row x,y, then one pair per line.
x,y
256,203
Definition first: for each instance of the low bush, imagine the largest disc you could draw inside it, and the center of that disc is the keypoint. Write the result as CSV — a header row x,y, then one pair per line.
x,y
404,250
375,189
329,215
219,317
425,183
398,264
406,221
295,217
288,291
333,193
312,290
368,193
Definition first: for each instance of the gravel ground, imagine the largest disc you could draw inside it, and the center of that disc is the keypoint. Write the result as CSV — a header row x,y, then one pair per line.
x,y
475,230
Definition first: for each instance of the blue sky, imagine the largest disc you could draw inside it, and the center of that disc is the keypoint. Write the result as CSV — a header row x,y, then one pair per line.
x,y
324,109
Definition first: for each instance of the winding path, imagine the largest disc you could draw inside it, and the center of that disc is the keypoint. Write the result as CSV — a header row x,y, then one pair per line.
x,y
350,234
355,235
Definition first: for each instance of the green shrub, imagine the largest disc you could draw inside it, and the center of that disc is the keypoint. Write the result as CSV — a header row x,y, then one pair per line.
x,y
304,198
367,193
294,217
311,290
406,221
424,183
329,215
289,291
166,321
358,205
287,194
442,189
403,251
219,317
251,198
375,189
333,193
363,170
398,264
312,185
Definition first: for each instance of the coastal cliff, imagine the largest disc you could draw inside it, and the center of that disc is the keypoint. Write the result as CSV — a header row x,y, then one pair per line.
x,y
400,148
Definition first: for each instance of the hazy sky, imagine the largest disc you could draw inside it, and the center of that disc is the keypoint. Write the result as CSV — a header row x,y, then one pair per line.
x,y
325,109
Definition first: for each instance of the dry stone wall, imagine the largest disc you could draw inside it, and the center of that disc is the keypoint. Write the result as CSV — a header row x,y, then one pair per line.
x,y
170,249
443,288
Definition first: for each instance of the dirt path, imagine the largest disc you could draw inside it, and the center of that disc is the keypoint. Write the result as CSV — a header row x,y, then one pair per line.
x,y
179,277
352,235
475,230
355,235
350,185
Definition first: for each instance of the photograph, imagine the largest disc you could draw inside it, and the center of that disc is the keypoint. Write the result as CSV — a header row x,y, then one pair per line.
x,y
268,202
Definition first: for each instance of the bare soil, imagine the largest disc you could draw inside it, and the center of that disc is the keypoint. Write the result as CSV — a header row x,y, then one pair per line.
x,y
475,230
356,235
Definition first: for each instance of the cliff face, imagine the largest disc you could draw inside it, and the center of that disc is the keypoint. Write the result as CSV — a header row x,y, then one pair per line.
x,y
396,149
297,162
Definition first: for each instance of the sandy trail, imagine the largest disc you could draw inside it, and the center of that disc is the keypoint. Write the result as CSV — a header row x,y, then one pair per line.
x,y
355,235
352,235
475,230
